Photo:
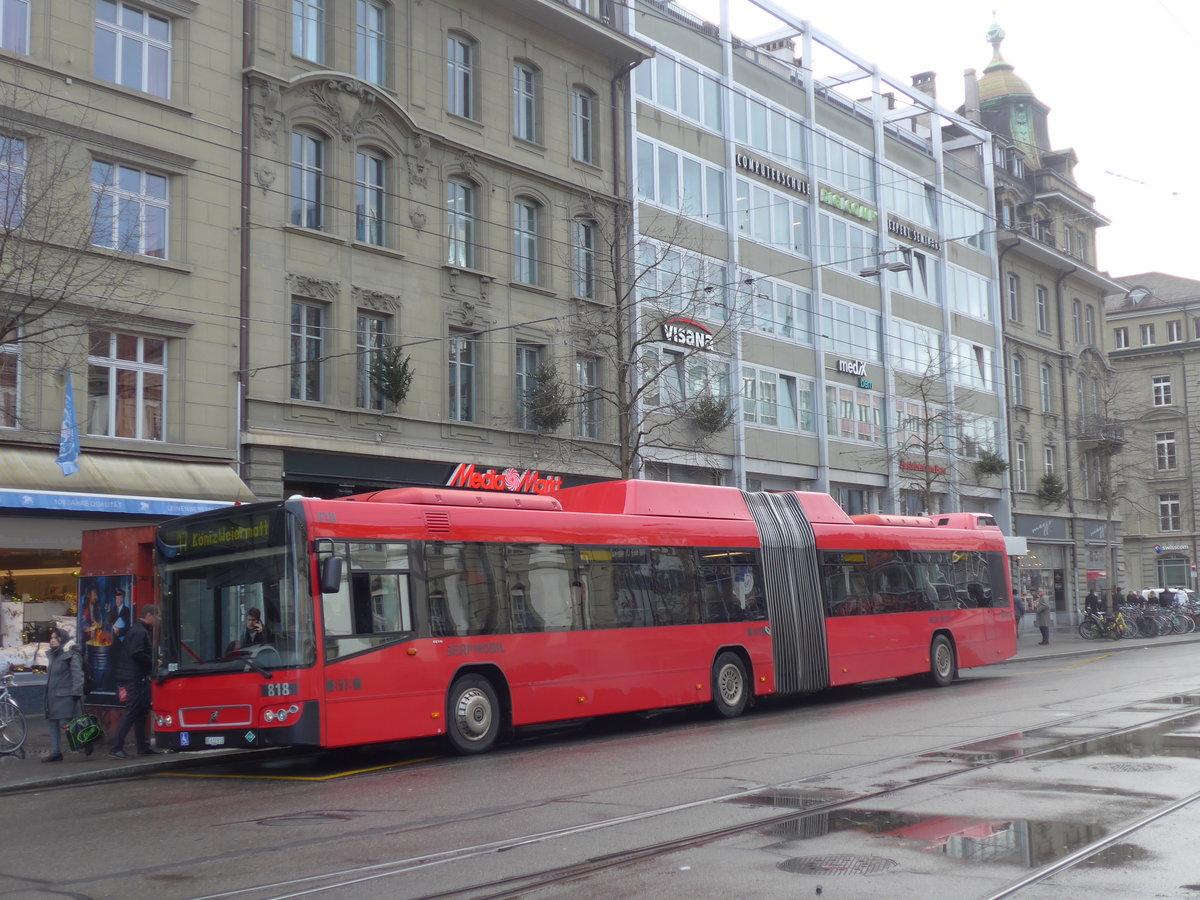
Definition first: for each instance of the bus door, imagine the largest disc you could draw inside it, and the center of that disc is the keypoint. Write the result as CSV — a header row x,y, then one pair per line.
x,y
365,623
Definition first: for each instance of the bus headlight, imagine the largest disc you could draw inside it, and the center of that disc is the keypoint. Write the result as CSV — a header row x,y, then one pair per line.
x,y
163,720
280,715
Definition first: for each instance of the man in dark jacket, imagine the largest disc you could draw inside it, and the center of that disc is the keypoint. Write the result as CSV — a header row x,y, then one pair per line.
x,y
134,667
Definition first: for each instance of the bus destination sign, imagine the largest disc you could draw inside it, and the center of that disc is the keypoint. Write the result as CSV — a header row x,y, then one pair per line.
x,y
226,534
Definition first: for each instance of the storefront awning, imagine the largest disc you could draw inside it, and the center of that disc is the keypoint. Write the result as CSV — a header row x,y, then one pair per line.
x,y
30,479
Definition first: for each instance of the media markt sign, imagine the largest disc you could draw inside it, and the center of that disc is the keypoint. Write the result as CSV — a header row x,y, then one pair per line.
x,y
687,333
511,481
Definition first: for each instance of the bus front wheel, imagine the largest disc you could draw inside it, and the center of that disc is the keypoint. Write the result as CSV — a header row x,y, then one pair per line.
x,y
730,686
941,661
473,715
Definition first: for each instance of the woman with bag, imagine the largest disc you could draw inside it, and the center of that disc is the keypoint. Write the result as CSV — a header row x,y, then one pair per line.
x,y
64,689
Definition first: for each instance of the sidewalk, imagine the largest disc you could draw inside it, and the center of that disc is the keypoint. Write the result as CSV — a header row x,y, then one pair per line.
x,y
31,773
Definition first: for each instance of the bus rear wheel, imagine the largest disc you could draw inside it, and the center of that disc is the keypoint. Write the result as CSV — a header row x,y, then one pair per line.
x,y
941,661
730,686
472,715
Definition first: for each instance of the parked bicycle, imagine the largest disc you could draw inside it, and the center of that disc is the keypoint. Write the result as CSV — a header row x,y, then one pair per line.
x,y
1095,625
13,728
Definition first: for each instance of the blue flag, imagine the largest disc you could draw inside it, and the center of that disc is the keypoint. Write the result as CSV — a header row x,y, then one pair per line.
x,y
68,435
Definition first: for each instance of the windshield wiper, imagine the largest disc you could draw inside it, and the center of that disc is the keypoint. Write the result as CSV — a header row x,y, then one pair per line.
x,y
257,667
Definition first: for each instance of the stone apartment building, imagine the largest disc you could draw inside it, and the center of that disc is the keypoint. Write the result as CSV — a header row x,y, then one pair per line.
x,y
1154,345
232,231
119,154
1060,388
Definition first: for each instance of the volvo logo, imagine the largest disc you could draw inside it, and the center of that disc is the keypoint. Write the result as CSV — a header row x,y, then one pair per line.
x,y
216,713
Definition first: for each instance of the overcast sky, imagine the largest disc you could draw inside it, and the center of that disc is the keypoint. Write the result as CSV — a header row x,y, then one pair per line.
x,y
1119,79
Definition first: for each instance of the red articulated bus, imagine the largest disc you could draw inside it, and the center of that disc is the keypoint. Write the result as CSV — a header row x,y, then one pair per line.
x,y
416,612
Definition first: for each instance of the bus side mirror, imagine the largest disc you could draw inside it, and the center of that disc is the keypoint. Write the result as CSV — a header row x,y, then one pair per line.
x,y
331,575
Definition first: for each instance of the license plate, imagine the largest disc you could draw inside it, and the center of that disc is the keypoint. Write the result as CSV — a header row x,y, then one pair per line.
x,y
214,740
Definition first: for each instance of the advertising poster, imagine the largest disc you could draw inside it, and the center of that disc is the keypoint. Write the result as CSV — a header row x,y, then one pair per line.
x,y
105,614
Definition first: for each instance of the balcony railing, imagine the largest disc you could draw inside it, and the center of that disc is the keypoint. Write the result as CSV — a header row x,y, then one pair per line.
x,y
1101,431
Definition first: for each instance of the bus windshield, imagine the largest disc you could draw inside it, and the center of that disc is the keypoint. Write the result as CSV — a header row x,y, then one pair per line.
x,y
235,594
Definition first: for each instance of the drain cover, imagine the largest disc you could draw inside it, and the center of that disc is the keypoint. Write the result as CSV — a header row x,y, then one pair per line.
x,y
838,864
1132,767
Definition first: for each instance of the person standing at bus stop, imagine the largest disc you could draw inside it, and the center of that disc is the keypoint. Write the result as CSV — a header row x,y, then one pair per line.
x,y
1043,617
133,679
1018,610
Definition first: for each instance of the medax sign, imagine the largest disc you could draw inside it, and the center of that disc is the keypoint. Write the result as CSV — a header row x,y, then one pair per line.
x,y
687,333
528,482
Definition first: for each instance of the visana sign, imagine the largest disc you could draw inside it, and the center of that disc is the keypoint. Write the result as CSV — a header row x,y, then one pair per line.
x,y
687,333
528,482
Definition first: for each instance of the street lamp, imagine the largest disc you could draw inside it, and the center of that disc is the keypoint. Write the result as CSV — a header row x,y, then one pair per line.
x,y
902,265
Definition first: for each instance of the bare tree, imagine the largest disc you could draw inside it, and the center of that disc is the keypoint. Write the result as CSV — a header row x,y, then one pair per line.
x,y
64,238
935,444
659,323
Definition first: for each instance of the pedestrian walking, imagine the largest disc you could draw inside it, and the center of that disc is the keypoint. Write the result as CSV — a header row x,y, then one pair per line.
x,y
134,667
1018,611
1043,617
64,688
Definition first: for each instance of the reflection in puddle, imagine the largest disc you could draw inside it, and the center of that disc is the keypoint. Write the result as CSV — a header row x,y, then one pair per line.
x,y
1116,856
1025,842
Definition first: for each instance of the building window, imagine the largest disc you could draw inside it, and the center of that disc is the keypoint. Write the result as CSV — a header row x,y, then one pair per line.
x,y
525,102
855,415
1017,367
1020,467
852,330
1077,321
1089,324
584,245
133,48
1121,338
588,383
460,218
528,361
1164,450
1170,513
371,338
369,198
308,29
308,351
1161,387
126,385
10,374
308,180
1048,460
1047,388
12,181
14,26
1042,308
527,215
777,400
1174,331
462,361
1148,334
371,40
583,125
129,209
680,182
1014,297
460,76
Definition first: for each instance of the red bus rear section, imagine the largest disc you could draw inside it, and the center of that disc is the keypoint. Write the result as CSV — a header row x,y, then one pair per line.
x,y
419,612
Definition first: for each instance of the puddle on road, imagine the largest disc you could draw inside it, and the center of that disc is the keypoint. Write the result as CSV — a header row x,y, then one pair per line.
x,y
1029,843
